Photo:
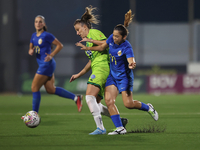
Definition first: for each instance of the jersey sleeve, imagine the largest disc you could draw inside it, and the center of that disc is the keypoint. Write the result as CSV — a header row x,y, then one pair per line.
x,y
129,52
50,37
109,40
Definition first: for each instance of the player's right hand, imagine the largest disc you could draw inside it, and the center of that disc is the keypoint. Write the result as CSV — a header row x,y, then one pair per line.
x,y
83,47
31,51
84,40
73,77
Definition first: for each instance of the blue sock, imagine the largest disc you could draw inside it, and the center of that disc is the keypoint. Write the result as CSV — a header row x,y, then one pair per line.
x,y
36,101
64,93
144,107
116,120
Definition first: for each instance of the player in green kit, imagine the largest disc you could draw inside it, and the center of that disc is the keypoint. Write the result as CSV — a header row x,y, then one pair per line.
x,y
99,63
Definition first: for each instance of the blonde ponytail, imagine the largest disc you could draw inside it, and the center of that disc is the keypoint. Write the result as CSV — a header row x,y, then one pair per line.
x,y
88,17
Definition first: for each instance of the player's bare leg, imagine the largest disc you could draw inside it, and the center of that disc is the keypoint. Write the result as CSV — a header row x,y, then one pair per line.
x,y
38,81
49,85
52,89
128,101
111,93
134,104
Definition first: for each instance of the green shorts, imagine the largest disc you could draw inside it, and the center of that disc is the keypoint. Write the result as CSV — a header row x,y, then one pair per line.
x,y
98,78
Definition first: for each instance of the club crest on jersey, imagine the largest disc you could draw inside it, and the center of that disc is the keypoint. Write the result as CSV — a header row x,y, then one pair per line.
x,y
93,76
119,53
40,41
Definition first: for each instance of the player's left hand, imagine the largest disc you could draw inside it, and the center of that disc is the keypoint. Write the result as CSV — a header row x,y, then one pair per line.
x,y
47,58
83,47
132,65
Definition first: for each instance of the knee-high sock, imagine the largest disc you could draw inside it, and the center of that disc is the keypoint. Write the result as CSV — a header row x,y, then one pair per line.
x,y
64,93
104,110
116,120
36,101
144,107
95,110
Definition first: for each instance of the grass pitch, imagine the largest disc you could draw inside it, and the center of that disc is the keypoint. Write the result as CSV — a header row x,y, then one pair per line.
x,y
64,128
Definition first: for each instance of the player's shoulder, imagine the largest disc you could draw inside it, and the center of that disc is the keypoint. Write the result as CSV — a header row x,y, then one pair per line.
x,y
49,36
96,35
127,44
96,32
47,33
110,39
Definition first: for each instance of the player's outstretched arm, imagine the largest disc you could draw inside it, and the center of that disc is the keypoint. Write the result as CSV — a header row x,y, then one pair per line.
x,y
93,41
82,72
101,47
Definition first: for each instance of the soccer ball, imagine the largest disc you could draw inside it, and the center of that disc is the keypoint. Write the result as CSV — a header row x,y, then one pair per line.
x,y
31,119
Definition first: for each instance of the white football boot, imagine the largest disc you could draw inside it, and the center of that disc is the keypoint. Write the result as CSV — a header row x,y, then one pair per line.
x,y
152,112
119,130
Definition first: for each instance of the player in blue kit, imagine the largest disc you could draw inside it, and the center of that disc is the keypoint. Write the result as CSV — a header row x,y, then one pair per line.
x,y
40,44
120,79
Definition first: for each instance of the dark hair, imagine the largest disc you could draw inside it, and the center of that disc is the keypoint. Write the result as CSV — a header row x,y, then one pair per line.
x,y
123,28
88,17
45,28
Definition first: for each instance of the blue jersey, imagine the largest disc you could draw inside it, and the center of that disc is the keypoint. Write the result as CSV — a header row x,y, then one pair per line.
x,y
118,59
42,45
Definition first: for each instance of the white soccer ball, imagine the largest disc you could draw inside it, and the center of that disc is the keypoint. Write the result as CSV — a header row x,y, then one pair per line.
x,y
32,119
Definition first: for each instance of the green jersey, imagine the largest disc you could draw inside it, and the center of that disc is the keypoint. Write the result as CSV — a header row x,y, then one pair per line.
x,y
96,57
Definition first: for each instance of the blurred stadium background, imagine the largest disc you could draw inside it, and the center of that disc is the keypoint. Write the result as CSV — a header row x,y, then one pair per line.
x,y
165,37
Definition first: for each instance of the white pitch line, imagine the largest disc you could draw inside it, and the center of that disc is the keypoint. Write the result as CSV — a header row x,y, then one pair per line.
x,y
82,114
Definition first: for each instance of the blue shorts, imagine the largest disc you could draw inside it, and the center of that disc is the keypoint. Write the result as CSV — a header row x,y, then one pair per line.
x,y
47,68
125,84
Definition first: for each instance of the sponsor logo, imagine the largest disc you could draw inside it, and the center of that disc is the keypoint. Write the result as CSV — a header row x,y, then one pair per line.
x,y
190,81
93,76
89,52
163,81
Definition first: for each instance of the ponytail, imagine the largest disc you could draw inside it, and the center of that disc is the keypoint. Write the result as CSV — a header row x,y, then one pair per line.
x,y
127,20
88,17
45,28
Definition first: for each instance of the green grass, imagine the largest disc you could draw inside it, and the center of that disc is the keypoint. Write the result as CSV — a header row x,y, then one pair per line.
x,y
62,127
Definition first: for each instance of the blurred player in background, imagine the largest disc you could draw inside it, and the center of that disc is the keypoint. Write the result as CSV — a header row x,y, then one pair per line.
x,y
40,44
120,79
99,63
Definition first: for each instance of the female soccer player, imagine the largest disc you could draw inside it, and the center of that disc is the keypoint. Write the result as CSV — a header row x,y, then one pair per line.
x,y
98,62
40,44
120,79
